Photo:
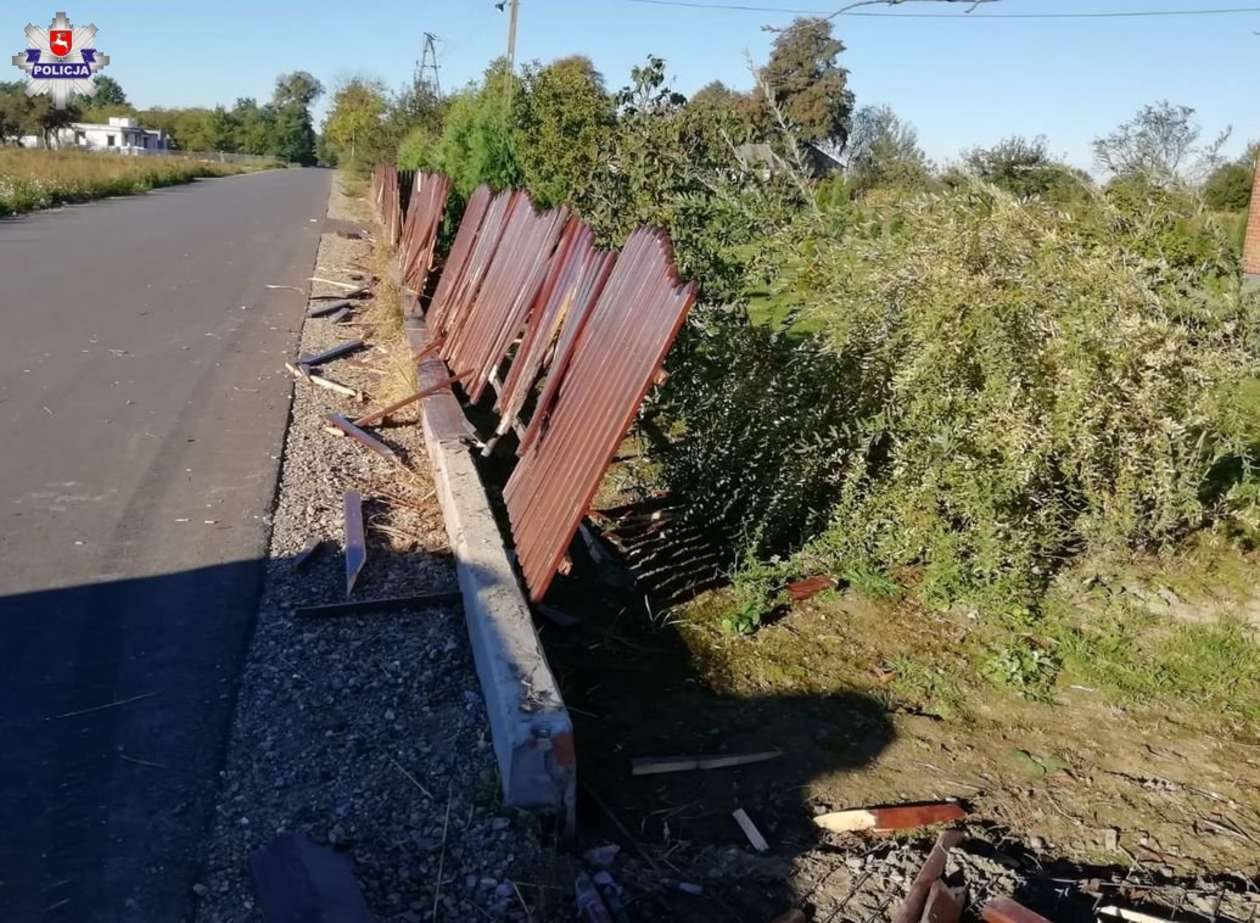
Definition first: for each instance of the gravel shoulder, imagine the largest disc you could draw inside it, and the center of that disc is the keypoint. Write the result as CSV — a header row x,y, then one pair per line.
x,y
367,731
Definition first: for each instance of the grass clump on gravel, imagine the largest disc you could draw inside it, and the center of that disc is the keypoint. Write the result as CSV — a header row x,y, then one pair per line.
x,y
34,179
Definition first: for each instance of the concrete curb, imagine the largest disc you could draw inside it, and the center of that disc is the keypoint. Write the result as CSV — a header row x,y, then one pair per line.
x,y
530,726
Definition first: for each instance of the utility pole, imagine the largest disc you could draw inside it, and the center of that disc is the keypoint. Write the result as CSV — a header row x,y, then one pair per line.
x,y
511,50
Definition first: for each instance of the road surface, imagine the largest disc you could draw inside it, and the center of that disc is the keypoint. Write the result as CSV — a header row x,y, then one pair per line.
x,y
143,402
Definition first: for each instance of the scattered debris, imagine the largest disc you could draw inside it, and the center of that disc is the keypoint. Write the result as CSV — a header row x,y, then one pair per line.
x,y
96,708
328,355
338,316
336,387
902,817
356,544
349,285
292,288
1007,910
299,882
298,371
750,830
944,904
387,604
590,906
1132,916
377,416
331,308
933,867
653,765
602,856
367,439
801,590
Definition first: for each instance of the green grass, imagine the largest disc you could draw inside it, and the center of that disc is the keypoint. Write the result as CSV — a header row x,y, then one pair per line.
x,y
35,179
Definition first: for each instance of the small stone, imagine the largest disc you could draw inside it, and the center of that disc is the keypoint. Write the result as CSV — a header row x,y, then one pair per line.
x,y
1111,839
1037,843
500,823
200,890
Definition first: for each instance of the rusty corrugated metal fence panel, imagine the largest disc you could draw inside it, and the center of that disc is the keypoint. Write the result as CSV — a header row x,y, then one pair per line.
x,y
391,188
617,353
454,311
457,259
497,312
577,276
429,192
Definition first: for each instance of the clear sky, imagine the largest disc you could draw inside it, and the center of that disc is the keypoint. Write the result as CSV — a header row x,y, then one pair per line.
x,y
961,80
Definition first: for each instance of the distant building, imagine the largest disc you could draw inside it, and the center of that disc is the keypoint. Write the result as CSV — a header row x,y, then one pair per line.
x,y
121,136
762,157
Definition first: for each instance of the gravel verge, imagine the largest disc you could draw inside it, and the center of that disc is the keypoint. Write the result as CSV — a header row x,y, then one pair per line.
x,y
365,731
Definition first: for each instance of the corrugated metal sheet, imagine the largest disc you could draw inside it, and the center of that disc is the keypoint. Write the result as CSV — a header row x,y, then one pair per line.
x,y
453,312
617,354
420,229
577,276
391,189
457,259
498,310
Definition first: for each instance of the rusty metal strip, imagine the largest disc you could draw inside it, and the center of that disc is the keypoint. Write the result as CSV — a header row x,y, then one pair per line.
x,y
356,543
328,355
361,436
614,360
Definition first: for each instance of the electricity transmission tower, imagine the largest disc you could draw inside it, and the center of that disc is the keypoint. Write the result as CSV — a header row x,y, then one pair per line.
x,y
429,64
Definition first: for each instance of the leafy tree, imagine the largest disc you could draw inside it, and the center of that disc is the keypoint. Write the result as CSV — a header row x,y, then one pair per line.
x,y
108,92
254,126
44,119
298,87
884,150
14,110
1024,167
1229,186
354,126
806,81
561,119
293,137
1159,143
222,130
476,145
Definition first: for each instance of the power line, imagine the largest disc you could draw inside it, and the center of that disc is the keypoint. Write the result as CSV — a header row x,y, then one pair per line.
x,y
1114,14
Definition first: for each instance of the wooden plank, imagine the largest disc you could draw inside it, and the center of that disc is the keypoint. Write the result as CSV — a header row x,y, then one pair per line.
x,y
903,817
377,416
654,765
356,543
750,830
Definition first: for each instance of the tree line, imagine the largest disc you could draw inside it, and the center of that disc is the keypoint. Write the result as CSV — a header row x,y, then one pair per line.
x,y
281,127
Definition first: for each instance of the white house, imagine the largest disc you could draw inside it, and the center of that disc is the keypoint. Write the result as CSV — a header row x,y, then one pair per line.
x,y
121,135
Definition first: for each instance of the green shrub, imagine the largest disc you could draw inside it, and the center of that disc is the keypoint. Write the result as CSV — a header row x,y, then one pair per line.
x,y
1229,187
1001,385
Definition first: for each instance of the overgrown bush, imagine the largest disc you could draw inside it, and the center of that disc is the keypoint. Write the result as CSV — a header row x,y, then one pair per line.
x,y
1002,386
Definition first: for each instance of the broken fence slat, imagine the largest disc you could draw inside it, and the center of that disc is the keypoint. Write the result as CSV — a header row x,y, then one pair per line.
x,y
387,604
653,765
944,904
1007,910
377,416
904,817
365,438
336,387
746,824
328,355
338,316
330,308
356,543
933,868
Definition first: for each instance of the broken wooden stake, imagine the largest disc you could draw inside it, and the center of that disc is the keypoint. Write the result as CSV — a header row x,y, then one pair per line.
x,y
356,543
899,818
328,355
338,316
1006,910
933,868
365,438
653,765
746,824
298,371
336,387
388,604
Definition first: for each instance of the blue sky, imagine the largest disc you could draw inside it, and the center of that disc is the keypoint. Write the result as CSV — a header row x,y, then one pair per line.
x,y
961,81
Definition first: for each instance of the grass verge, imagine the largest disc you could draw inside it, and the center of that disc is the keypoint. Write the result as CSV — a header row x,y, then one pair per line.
x,y
35,179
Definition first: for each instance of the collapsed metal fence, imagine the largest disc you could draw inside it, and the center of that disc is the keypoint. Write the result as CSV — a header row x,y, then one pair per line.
x,y
583,333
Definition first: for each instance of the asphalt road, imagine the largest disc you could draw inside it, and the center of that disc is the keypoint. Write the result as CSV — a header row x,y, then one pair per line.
x,y
143,402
